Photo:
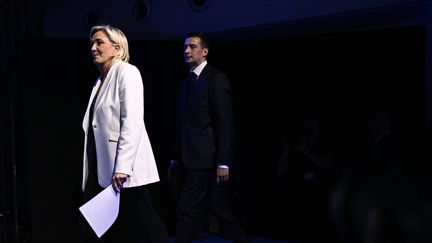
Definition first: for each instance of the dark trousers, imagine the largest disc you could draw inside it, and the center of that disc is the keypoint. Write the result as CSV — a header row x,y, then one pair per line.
x,y
220,207
191,203
137,221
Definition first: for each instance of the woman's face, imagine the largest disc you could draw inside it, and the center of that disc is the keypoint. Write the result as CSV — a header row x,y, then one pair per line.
x,y
102,49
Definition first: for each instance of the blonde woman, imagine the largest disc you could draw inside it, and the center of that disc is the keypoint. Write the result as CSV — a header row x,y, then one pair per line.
x,y
117,150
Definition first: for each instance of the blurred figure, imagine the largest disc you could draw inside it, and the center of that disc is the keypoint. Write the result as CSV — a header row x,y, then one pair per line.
x,y
384,203
305,171
385,195
306,143
381,144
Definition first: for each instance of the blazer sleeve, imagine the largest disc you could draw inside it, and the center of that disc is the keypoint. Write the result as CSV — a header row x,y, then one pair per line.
x,y
131,96
222,118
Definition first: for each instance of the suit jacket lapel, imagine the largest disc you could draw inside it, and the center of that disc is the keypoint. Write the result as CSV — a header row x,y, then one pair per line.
x,y
193,93
197,87
103,90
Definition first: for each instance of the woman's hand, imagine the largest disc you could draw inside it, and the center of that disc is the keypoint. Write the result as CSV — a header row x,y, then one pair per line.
x,y
117,181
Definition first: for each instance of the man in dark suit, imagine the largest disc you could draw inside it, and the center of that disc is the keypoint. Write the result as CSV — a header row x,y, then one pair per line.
x,y
205,134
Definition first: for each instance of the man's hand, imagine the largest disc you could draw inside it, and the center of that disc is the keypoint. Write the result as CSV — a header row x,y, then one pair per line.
x,y
222,175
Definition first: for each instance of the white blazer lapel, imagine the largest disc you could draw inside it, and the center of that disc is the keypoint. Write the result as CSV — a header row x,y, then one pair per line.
x,y
92,95
105,85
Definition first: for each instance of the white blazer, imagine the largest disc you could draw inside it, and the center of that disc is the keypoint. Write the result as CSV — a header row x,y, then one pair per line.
x,y
122,143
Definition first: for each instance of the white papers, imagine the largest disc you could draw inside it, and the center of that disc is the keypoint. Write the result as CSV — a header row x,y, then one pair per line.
x,y
102,210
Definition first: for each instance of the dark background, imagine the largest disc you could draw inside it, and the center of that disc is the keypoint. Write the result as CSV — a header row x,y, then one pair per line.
x,y
338,78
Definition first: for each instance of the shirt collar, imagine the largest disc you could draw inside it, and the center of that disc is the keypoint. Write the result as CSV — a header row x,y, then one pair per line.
x,y
199,68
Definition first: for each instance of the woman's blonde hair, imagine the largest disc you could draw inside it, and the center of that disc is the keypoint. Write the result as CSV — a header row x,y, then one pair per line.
x,y
117,37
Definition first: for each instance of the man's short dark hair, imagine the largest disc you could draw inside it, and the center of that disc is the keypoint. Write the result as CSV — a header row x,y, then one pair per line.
x,y
204,40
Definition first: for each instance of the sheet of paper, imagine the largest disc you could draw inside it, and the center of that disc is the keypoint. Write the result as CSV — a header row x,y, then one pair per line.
x,y
102,210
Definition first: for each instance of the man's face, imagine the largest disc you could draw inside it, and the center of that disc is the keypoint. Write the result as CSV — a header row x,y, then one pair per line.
x,y
193,53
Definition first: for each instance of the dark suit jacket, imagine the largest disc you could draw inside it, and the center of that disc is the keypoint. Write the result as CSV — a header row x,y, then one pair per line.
x,y
205,128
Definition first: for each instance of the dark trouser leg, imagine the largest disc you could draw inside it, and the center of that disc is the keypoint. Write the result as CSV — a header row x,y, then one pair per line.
x,y
220,207
148,220
191,202
138,221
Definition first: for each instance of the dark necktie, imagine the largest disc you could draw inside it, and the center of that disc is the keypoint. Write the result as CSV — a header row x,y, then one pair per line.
x,y
192,80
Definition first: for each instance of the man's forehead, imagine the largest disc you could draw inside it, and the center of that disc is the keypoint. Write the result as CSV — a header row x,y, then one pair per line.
x,y
192,40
